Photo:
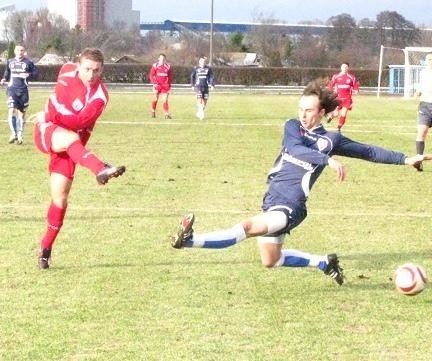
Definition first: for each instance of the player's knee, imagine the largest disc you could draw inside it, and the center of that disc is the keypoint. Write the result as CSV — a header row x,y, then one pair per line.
x,y
60,200
66,136
249,226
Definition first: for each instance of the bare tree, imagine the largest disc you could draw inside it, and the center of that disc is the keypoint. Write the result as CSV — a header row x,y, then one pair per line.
x,y
269,41
308,51
396,31
341,31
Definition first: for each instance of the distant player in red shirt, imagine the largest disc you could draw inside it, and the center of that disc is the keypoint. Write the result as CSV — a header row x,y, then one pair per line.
x,y
344,84
161,78
62,132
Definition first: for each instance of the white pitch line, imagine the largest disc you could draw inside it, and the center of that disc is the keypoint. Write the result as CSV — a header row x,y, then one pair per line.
x,y
383,214
226,124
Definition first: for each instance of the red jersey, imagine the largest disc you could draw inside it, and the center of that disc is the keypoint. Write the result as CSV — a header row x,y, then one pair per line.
x,y
75,106
161,75
343,85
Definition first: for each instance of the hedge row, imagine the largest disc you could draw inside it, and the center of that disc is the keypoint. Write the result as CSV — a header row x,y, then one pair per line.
x,y
138,73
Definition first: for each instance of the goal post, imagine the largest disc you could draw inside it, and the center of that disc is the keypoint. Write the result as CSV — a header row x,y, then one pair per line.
x,y
404,67
414,63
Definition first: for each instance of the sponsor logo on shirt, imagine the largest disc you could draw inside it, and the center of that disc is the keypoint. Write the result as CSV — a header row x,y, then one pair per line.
x,y
289,158
77,105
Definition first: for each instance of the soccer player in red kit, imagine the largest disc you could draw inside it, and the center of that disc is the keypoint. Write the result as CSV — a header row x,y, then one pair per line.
x,y
62,132
344,84
161,78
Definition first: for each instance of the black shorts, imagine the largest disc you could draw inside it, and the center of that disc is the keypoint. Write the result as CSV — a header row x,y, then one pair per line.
x,y
424,114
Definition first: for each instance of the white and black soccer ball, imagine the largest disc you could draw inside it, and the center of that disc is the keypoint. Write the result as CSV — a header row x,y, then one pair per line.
x,y
410,279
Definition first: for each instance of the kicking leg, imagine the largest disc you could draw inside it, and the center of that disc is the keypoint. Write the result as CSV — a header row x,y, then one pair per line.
x,y
64,140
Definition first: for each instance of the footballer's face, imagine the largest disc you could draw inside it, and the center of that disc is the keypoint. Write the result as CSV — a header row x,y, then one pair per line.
x,y
89,71
310,112
161,59
19,52
344,68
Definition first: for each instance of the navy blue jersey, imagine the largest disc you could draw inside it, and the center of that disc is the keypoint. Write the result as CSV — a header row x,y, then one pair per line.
x,y
15,69
304,156
202,77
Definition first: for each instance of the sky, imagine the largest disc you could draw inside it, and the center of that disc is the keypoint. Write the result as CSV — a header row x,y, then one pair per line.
x,y
288,11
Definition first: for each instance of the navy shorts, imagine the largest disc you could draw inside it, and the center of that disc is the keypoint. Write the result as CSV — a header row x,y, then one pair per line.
x,y
201,93
18,99
296,213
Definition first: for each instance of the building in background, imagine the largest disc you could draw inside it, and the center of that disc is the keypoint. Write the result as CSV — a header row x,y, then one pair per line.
x,y
92,14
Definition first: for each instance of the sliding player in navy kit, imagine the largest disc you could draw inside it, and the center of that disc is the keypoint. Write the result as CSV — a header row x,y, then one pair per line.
x,y
306,150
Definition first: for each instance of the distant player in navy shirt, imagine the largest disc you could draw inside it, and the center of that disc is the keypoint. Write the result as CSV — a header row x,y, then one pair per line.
x,y
17,73
307,148
201,79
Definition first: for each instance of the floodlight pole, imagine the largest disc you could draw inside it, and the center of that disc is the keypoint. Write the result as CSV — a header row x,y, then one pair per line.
x,y
211,34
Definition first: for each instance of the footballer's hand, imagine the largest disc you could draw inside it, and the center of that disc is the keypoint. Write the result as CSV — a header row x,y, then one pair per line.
x,y
38,117
415,159
338,167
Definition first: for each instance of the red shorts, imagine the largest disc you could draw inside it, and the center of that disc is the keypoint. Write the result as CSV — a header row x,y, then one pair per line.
x,y
59,162
161,89
346,103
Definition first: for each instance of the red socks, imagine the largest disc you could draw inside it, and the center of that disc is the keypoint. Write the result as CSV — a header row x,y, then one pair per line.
x,y
154,104
341,122
55,216
166,107
84,157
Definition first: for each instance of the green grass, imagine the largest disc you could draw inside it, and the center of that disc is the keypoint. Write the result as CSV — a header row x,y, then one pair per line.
x,y
118,291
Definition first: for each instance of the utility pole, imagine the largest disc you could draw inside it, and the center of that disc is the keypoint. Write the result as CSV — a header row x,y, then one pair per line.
x,y
211,34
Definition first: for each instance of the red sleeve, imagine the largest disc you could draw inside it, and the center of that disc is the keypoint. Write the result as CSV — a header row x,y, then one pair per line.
x,y
84,119
152,75
170,76
356,85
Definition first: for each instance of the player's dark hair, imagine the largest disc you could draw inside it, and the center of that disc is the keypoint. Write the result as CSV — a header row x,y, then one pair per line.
x,y
328,98
92,54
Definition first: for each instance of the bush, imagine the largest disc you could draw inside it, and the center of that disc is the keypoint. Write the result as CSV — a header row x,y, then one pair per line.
x,y
138,73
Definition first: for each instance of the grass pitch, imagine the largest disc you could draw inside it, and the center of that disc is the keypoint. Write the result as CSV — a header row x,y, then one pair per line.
x,y
118,291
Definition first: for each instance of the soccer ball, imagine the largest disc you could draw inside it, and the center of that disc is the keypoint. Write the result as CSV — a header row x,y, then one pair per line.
x,y
410,279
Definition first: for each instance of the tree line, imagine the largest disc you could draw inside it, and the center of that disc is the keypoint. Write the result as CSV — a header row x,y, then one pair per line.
x,y
344,40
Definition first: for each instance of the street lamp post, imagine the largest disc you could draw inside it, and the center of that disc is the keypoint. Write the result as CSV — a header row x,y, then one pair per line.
x,y
211,34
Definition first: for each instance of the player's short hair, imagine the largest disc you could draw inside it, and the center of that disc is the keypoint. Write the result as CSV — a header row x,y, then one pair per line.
x,y
346,63
328,98
92,54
